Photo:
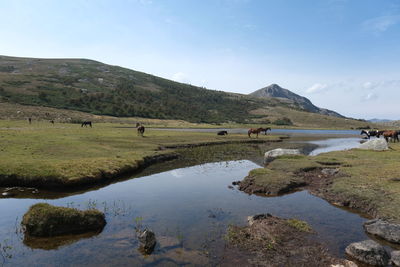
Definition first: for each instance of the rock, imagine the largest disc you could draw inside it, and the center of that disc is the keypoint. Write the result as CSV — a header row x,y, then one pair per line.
x,y
44,220
346,263
384,230
395,258
329,171
230,187
270,155
148,241
368,252
375,144
252,219
235,182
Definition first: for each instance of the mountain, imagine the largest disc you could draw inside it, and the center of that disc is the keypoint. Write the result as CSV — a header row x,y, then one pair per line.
x,y
276,91
97,88
379,120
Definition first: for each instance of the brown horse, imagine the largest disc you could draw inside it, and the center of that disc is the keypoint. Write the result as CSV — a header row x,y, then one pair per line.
x,y
140,130
255,131
394,135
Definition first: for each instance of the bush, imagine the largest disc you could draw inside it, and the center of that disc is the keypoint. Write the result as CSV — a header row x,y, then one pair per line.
x,y
283,121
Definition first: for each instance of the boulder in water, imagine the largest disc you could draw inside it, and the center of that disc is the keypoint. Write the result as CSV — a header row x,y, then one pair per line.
x,y
45,220
368,252
384,230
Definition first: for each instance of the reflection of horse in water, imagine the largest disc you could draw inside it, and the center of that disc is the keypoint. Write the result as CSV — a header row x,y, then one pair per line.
x,y
140,130
254,131
86,123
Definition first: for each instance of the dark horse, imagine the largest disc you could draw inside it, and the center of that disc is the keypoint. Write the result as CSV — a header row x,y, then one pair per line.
x,y
265,130
140,130
255,131
370,133
222,133
86,123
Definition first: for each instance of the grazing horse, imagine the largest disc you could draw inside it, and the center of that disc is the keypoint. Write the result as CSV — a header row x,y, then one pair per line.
x,y
394,135
369,133
86,123
254,131
222,133
265,130
140,130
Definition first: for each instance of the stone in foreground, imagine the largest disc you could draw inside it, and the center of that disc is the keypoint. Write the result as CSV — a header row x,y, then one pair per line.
x,y
272,154
368,252
384,230
395,258
375,144
148,241
44,220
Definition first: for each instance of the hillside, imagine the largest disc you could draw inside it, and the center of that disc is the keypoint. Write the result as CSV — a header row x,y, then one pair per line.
x,y
276,91
97,88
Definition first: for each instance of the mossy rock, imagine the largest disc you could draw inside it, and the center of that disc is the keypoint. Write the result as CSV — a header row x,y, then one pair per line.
x,y
44,220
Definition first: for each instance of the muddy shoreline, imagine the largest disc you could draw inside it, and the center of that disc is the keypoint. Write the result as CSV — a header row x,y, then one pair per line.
x,y
317,181
272,241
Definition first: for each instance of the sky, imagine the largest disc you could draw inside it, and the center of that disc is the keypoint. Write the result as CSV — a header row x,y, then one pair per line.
x,y
343,55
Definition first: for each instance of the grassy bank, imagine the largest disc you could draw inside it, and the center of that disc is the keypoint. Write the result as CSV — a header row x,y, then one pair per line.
x,y
368,181
45,155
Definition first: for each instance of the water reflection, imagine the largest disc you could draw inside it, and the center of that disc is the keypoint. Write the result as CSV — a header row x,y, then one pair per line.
x,y
189,210
334,144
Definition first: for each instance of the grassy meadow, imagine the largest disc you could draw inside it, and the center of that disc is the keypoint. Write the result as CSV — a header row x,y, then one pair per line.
x,y
369,181
65,154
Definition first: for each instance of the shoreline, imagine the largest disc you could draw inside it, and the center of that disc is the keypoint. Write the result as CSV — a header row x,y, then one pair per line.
x,y
54,183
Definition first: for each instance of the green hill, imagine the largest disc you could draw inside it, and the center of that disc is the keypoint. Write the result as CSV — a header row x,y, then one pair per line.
x,y
97,88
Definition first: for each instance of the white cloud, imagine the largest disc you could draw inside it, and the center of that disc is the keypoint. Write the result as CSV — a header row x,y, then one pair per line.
x,y
381,24
367,85
180,77
317,88
370,96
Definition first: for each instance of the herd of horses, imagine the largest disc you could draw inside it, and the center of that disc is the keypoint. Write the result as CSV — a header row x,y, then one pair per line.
x,y
388,135
140,129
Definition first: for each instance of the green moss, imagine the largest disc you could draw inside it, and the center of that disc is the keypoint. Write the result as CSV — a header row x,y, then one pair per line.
x,y
299,225
43,219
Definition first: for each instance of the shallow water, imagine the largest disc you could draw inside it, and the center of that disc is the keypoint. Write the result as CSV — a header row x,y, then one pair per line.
x,y
188,208
334,144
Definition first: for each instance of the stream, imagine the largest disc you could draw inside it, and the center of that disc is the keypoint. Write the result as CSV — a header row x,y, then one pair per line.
x,y
189,207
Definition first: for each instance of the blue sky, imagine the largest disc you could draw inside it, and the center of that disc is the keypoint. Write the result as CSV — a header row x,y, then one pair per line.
x,y
341,54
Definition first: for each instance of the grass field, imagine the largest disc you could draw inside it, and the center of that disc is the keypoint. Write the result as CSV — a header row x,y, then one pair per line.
x,y
41,154
12,111
369,181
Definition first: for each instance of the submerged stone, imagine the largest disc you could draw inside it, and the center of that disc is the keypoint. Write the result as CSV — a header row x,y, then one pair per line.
x,y
148,241
45,220
368,252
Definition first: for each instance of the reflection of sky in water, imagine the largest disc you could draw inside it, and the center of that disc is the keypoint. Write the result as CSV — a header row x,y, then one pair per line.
x,y
177,202
334,144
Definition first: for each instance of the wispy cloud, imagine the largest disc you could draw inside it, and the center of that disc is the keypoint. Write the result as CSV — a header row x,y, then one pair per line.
x,y
317,88
381,24
370,96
